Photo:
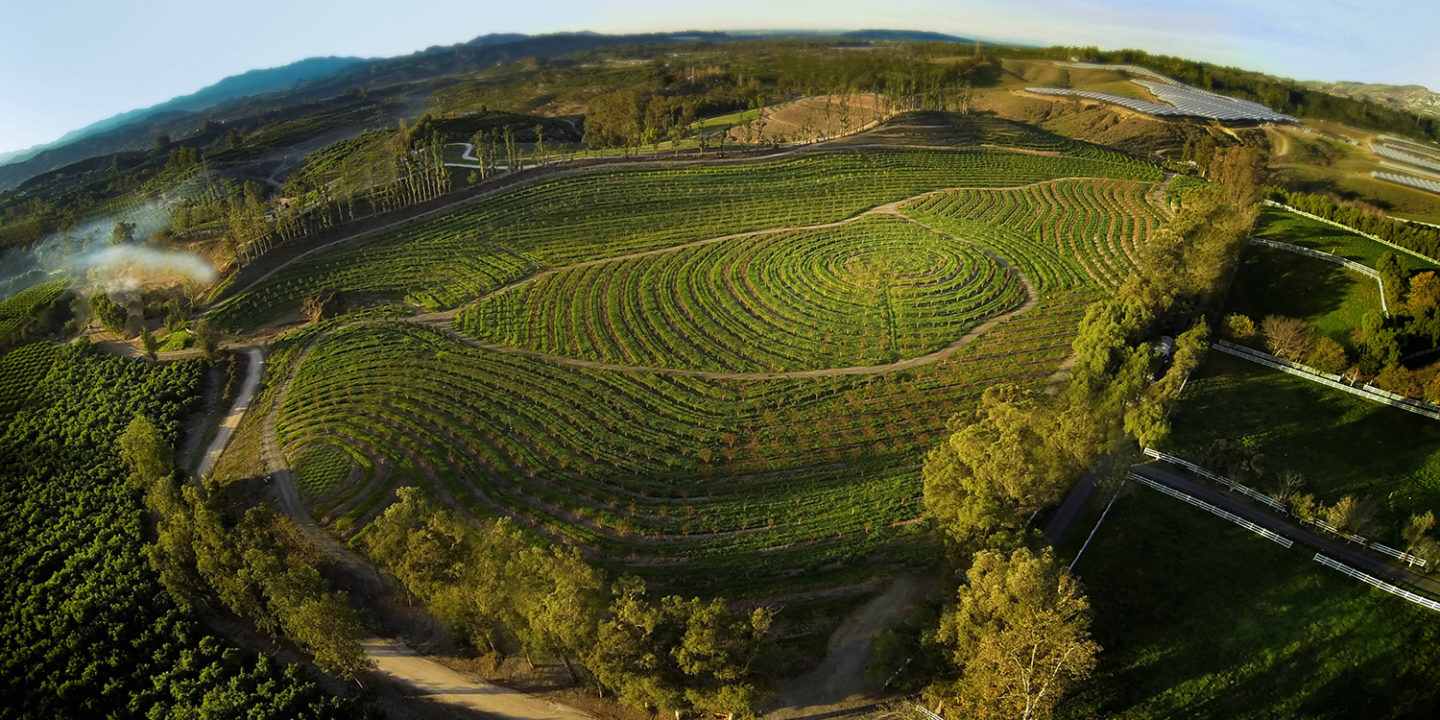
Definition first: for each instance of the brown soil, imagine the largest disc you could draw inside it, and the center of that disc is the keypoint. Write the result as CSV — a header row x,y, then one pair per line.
x,y
812,118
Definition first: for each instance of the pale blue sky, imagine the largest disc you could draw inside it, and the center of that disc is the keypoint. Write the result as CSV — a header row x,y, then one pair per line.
x,y
66,63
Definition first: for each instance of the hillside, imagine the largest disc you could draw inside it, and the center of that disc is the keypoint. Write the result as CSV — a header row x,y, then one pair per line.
x,y
135,129
1417,99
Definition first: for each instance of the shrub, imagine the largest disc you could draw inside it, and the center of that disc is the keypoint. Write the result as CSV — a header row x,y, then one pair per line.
x,y
1239,326
1328,356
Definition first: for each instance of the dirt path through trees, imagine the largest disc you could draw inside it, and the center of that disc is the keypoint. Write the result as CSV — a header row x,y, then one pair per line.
x,y
839,680
254,367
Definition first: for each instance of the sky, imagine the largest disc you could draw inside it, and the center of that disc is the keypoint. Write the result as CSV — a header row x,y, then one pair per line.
x,y
67,63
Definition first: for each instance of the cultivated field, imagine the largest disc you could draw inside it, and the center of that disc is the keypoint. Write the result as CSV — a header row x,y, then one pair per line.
x,y
442,262
722,376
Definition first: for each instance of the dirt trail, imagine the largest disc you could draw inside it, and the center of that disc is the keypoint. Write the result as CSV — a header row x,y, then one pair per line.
x,y
254,366
436,683
840,679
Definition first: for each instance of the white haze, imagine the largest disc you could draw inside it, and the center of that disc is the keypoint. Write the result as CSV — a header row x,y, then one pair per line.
x,y
85,256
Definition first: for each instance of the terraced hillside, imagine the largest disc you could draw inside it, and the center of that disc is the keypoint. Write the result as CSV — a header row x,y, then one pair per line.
x,y
862,293
612,210
722,376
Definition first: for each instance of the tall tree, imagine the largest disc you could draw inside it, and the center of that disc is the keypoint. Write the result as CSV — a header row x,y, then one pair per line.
x,y
1019,635
999,467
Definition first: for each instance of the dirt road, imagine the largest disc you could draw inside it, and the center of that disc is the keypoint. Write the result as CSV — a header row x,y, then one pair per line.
x,y
439,684
254,368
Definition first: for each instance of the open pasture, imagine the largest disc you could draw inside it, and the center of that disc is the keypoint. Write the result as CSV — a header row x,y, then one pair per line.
x,y
447,260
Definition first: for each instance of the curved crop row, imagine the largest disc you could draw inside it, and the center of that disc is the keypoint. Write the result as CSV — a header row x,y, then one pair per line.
x,y
685,474
1090,226
864,293
443,261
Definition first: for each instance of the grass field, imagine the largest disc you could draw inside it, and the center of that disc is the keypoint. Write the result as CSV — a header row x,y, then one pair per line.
x,y
1283,226
1341,443
1202,619
1277,282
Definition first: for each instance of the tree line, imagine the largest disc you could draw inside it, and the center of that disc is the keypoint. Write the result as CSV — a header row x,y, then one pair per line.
x,y
489,583
1423,239
1015,638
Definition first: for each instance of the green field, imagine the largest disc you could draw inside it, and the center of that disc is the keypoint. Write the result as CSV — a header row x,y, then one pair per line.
x,y
1341,443
1278,282
611,378
447,260
1202,619
1284,226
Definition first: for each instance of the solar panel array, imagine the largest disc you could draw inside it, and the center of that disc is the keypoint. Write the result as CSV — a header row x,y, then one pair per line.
x,y
1179,101
1411,180
1394,153
1192,100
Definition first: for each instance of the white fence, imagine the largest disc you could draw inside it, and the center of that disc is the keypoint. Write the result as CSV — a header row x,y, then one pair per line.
x,y
1227,482
1369,392
1218,512
1347,228
1404,557
1365,270
1376,582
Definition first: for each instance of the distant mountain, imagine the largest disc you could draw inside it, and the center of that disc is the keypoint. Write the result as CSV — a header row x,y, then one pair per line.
x,y
1417,99
902,36
134,129
314,79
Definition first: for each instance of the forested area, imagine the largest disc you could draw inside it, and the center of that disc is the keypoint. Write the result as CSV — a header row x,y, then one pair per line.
x,y
490,584
88,629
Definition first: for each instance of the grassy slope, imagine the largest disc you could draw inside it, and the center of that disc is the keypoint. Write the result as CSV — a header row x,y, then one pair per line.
x,y
1276,282
1291,228
1341,443
1201,619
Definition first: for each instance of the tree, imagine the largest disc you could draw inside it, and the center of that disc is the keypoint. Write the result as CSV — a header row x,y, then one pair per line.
x,y
1392,276
122,234
314,307
1418,528
1379,343
1239,327
145,453
1288,338
1424,296
560,600
1349,515
111,314
1400,380
1328,356
1001,465
206,337
1019,635
148,342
